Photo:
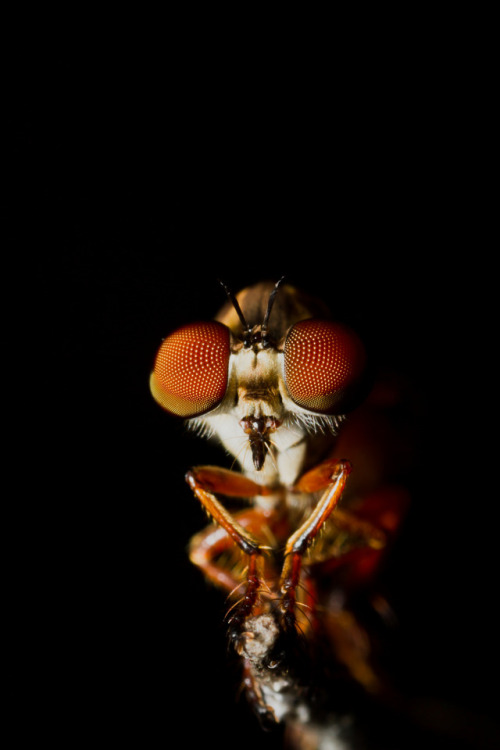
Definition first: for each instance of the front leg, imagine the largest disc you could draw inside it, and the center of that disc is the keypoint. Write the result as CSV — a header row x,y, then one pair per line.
x,y
205,481
332,474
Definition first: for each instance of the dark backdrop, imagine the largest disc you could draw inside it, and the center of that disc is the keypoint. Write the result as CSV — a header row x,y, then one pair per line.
x,y
129,202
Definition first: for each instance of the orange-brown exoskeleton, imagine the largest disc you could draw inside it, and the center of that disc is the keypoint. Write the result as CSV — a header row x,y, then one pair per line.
x,y
272,376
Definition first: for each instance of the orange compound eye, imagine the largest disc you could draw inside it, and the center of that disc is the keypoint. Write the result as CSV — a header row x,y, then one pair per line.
x,y
191,369
324,362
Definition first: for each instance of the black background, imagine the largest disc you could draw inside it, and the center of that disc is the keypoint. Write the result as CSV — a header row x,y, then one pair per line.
x,y
130,195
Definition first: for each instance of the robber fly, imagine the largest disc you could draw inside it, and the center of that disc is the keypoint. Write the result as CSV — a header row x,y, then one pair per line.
x,y
273,378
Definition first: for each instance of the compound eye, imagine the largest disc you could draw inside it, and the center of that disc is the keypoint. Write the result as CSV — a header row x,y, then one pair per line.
x,y
191,369
324,364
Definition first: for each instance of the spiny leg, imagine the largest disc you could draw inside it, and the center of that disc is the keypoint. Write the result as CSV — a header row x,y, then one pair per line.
x,y
332,474
207,547
204,481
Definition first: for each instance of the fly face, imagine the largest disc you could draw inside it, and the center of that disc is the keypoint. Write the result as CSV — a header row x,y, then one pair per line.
x,y
253,422
265,377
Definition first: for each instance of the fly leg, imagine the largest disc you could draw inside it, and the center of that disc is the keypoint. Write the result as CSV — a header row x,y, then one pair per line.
x,y
331,474
205,481
205,551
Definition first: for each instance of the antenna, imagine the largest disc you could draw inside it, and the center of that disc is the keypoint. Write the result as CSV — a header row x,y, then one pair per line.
x,y
270,306
236,306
